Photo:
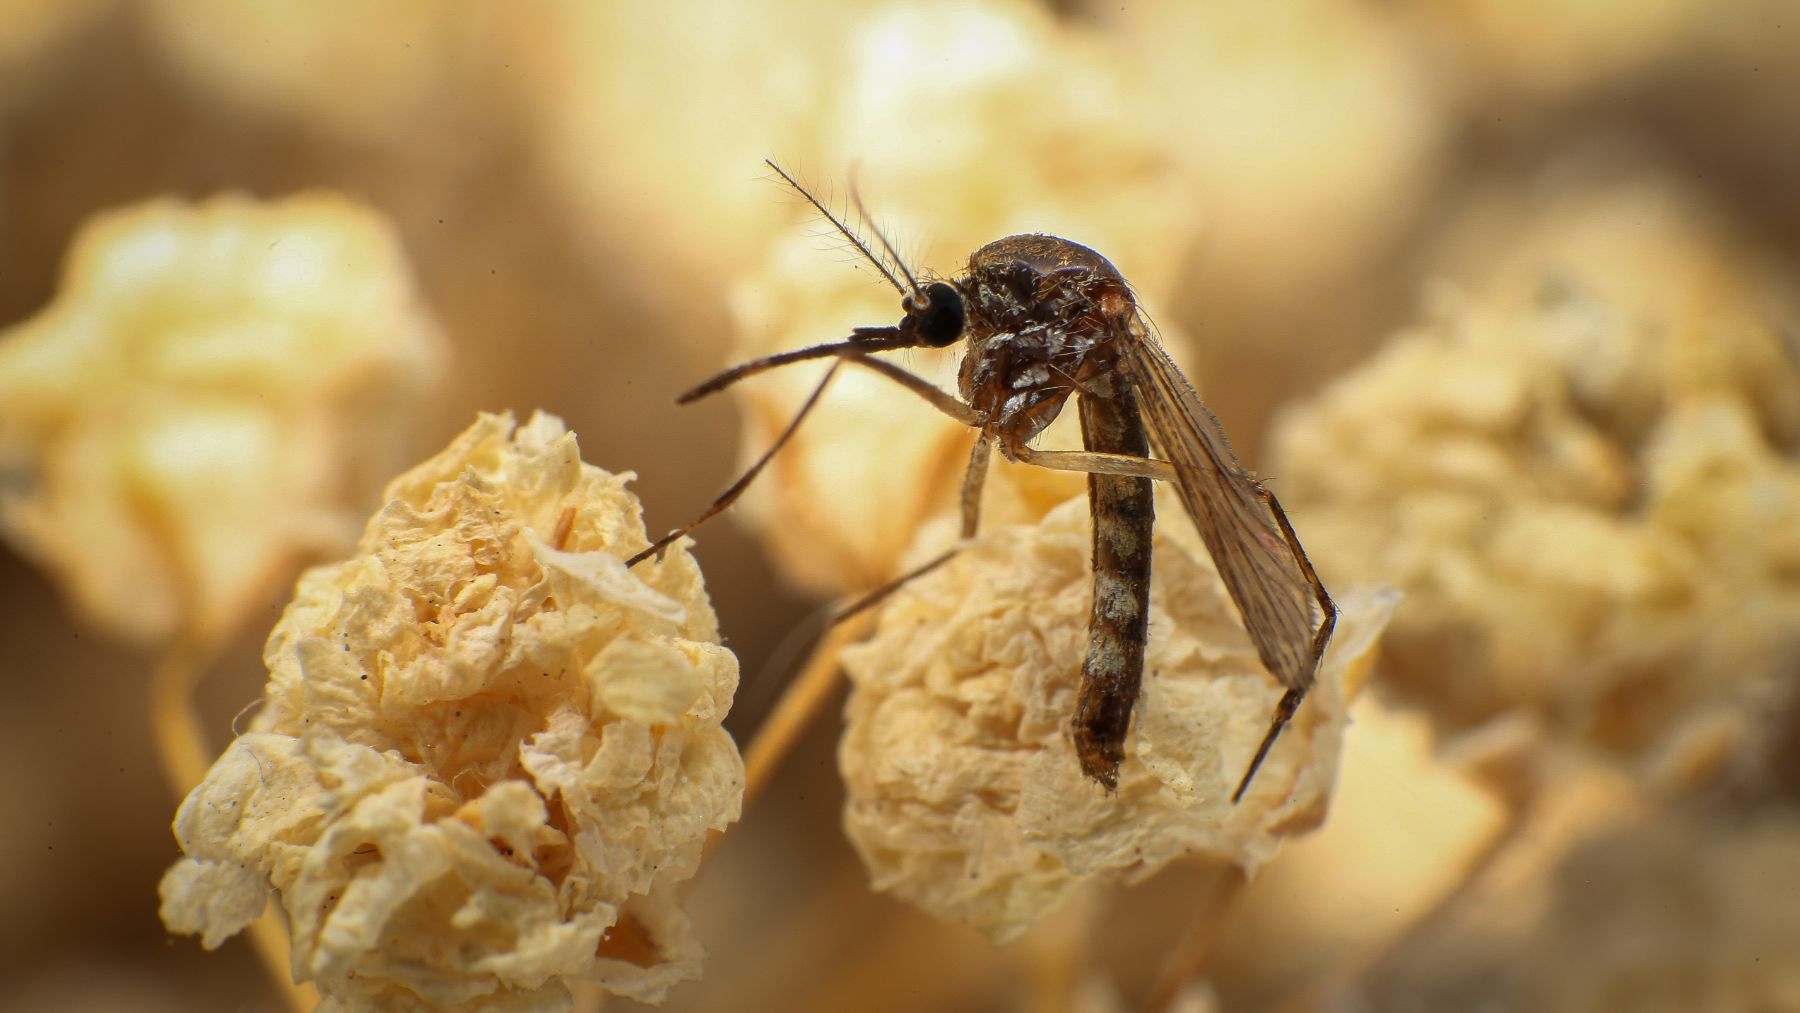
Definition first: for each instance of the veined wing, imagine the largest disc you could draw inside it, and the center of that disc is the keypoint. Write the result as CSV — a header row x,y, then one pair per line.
x,y
1264,569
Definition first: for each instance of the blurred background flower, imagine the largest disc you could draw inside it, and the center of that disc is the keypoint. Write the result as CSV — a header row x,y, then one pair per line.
x,y
212,390
1566,225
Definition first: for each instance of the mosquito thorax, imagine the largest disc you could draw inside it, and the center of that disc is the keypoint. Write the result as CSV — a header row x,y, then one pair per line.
x,y
1035,277
1046,254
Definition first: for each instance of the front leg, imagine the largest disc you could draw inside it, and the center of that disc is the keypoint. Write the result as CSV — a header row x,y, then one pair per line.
x,y
974,479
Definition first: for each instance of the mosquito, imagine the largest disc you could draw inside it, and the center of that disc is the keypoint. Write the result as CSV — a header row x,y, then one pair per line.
x,y
1046,318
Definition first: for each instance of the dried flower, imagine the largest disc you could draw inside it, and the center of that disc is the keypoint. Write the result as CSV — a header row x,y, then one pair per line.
x,y
965,794
1542,50
1607,897
1681,909
213,389
1285,116
32,33
1407,827
372,72
489,754
1583,478
1083,157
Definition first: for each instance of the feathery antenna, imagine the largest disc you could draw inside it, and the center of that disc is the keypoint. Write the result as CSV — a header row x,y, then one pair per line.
x,y
848,233
856,201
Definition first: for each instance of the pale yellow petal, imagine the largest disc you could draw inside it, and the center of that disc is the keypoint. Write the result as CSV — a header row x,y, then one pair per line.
x,y
481,756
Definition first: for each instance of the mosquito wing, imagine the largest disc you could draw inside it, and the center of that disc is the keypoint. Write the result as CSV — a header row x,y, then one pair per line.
x,y
1262,565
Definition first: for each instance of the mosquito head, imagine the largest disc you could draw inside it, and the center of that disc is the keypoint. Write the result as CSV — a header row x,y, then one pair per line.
x,y
935,315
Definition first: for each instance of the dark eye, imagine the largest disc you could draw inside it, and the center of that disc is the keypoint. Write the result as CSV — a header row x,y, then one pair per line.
x,y
941,322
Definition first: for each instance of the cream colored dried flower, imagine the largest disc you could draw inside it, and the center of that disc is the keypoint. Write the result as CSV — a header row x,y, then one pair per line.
x,y
1583,477
376,72
1018,122
213,389
965,795
1543,50
1286,117
1407,828
1681,909
1608,897
489,754
1033,127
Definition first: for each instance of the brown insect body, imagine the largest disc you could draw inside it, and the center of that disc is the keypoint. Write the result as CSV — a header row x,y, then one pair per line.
x,y
1043,318
1046,318
1042,315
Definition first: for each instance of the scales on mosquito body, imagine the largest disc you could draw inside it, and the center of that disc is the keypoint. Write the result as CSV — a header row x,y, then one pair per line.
x,y
1046,319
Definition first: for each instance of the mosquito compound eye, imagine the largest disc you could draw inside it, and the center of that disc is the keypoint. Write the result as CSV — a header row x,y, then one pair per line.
x,y
941,322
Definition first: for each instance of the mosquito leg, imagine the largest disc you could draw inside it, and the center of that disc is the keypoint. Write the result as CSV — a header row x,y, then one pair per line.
x,y
940,400
1094,463
863,341
1284,711
973,481
1327,608
1290,700
857,351
876,596
737,488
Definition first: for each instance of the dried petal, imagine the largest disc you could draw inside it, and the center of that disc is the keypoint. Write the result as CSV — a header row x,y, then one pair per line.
x,y
485,761
965,793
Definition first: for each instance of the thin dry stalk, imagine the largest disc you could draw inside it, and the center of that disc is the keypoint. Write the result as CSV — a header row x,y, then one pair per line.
x,y
182,752
270,936
1339,982
589,997
799,705
794,711
180,745
1057,954
1188,957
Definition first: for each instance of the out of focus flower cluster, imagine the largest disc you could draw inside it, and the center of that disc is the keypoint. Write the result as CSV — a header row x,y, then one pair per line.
x,y
1008,87
488,753
214,389
965,794
1583,474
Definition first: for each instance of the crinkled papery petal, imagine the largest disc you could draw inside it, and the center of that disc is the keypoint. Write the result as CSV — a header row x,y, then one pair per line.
x,y
489,754
966,796
1582,473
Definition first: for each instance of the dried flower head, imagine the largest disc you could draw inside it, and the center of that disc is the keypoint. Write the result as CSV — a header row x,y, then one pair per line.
x,y
965,793
1606,896
31,36
1007,86
213,389
1285,116
489,754
1680,909
1541,51
372,72
1584,478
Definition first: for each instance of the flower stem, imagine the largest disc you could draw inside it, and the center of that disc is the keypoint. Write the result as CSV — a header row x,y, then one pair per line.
x,y
180,745
182,752
798,705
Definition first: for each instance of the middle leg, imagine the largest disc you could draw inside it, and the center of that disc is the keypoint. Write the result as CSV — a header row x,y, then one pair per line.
x,y
974,479
1093,462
